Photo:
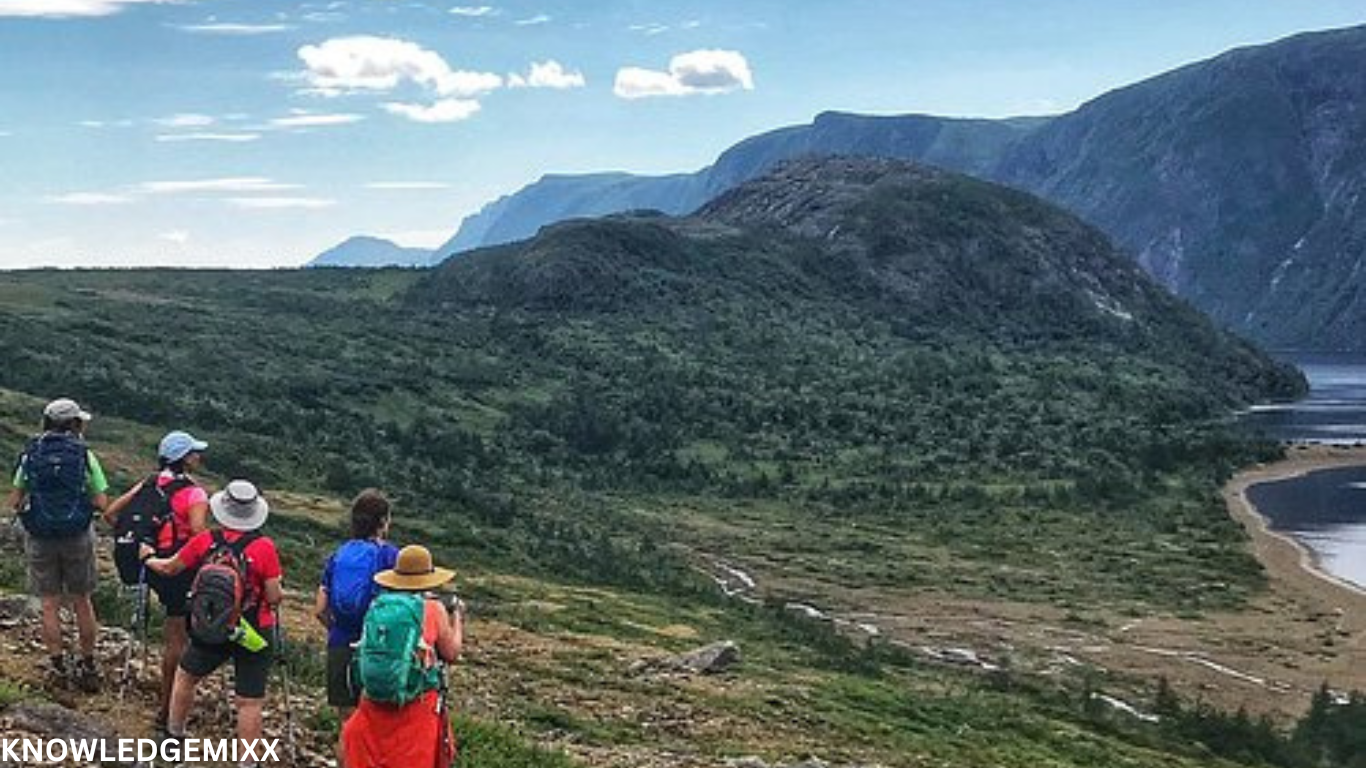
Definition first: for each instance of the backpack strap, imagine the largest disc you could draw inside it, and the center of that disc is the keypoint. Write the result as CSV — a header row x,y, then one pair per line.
x,y
178,483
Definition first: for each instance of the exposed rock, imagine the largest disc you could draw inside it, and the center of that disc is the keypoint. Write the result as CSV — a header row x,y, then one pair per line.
x,y
710,659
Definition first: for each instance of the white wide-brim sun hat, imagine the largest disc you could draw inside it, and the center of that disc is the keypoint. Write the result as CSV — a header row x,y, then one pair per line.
x,y
239,506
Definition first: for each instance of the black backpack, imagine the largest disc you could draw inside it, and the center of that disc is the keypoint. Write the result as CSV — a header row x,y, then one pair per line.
x,y
141,522
54,468
221,592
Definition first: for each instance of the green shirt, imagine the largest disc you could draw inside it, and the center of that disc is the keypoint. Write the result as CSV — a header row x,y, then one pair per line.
x,y
95,481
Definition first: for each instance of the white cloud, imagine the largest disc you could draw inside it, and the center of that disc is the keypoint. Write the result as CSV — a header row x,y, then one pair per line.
x,y
363,63
183,120
443,111
474,11
281,203
547,74
221,28
311,120
64,9
539,18
407,185
234,138
649,29
696,72
177,236
236,184
89,198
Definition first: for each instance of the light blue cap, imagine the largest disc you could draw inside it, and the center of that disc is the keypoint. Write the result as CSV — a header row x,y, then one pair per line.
x,y
177,445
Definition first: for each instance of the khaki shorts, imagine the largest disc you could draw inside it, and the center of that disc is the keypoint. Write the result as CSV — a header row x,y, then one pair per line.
x,y
61,566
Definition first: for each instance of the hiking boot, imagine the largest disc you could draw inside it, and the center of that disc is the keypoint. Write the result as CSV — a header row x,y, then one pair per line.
x,y
87,675
57,672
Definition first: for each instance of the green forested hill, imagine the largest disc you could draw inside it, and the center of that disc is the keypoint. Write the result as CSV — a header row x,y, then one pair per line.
x,y
972,376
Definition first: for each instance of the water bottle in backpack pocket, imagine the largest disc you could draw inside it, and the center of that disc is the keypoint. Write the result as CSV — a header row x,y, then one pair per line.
x,y
393,664
351,586
221,592
54,469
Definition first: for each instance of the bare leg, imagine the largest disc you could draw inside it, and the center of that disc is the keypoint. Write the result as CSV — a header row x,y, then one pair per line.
x,y
182,698
52,624
249,717
174,640
86,623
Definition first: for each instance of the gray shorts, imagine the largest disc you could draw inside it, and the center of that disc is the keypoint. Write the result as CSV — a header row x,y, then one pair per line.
x,y
61,566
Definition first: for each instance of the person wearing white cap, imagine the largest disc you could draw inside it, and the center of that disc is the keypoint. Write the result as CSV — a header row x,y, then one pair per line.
x,y
240,511
184,505
57,486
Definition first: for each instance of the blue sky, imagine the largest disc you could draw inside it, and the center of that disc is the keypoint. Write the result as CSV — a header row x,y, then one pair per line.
x,y
260,132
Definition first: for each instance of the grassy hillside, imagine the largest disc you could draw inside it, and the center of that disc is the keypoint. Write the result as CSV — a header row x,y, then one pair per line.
x,y
594,424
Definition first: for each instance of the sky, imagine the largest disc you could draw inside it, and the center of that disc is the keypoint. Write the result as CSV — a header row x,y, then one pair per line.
x,y
258,133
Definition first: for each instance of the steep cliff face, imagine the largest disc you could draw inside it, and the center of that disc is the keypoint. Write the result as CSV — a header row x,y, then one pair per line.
x,y
1235,182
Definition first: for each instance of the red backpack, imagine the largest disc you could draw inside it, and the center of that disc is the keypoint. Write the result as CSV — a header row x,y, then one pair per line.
x,y
221,591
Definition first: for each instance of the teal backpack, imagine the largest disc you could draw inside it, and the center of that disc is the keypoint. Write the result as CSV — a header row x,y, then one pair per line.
x,y
391,662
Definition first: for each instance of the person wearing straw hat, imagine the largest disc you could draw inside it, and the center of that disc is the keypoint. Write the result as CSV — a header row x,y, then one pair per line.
x,y
185,505
387,731
240,511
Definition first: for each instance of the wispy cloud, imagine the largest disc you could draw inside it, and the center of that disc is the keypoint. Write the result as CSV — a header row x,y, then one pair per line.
x,y
89,198
185,120
407,185
696,72
65,9
281,203
443,111
547,74
474,11
232,185
532,21
224,28
649,29
177,236
231,138
311,120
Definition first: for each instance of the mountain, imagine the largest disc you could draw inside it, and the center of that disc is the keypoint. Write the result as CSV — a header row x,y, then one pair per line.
x,y
935,255
363,251
1233,181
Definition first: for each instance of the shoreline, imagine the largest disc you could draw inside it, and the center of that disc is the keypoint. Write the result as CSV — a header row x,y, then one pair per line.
x,y
1286,560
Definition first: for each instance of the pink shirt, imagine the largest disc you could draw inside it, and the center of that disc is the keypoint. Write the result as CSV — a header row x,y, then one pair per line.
x,y
181,503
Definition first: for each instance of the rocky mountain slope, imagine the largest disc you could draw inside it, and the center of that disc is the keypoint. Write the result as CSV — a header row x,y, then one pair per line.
x,y
1233,181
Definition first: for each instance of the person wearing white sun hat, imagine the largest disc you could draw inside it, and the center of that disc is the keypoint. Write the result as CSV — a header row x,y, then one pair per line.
x,y
240,510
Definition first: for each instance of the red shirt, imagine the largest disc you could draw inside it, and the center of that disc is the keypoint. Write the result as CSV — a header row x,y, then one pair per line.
x,y
263,563
181,501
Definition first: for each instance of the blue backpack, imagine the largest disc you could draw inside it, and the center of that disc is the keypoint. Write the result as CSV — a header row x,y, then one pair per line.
x,y
352,586
54,470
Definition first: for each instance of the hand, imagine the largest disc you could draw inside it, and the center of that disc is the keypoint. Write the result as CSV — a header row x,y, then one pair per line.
x,y
146,551
454,605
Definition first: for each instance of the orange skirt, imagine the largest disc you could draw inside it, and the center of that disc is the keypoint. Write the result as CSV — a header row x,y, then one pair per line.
x,y
412,736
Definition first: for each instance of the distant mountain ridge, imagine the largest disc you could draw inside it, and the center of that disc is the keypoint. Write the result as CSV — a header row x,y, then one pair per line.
x,y
1233,181
365,251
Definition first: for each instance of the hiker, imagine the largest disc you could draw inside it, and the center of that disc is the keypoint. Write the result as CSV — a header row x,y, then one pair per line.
x,y
58,485
346,589
234,597
164,510
401,720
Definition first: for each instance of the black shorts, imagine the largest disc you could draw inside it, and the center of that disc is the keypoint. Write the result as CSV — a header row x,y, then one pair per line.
x,y
173,592
340,693
250,670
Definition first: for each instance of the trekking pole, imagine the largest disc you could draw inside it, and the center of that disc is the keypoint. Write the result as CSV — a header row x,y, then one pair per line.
x,y
136,621
290,746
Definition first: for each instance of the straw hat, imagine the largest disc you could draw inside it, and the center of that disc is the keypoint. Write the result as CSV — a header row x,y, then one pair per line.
x,y
414,571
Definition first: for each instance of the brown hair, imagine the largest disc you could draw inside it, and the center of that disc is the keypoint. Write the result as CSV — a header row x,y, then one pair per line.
x,y
369,512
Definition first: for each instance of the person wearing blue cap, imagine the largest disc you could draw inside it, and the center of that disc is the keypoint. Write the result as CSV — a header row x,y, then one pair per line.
x,y
185,510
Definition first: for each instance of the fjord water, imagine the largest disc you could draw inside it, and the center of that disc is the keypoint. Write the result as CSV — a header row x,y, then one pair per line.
x,y
1326,510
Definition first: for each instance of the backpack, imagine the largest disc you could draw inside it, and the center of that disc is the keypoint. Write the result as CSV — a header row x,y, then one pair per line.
x,y
141,522
392,663
352,584
221,591
54,470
